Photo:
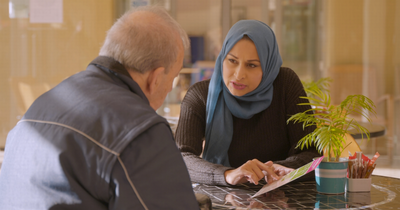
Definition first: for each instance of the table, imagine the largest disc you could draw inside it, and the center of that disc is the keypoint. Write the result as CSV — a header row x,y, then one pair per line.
x,y
385,194
375,130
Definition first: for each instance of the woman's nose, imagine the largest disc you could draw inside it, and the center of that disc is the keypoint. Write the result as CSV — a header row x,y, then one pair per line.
x,y
239,72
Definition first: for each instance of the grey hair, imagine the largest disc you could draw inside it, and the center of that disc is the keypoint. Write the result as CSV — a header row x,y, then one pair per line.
x,y
141,46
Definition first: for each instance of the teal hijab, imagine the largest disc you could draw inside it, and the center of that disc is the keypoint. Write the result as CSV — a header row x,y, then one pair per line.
x,y
221,104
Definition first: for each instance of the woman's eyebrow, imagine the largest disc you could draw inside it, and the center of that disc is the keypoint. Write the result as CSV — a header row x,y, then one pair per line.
x,y
232,55
252,60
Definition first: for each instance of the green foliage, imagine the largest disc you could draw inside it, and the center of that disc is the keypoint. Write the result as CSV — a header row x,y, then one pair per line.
x,y
332,121
322,84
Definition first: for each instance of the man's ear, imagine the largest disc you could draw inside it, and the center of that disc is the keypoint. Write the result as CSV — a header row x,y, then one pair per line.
x,y
154,79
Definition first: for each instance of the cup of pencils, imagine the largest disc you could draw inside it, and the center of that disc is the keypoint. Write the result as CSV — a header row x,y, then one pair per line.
x,y
359,172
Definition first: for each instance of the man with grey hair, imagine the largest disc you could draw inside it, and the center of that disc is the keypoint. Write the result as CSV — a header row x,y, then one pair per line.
x,y
95,141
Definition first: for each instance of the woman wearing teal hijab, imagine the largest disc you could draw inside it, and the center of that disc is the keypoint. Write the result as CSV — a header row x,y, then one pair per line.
x,y
241,113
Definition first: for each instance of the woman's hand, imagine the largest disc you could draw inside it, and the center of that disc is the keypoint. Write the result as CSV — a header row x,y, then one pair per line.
x,y
252,171
278,170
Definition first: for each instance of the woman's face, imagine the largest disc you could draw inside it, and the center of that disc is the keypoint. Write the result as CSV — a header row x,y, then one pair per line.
x,y
242,70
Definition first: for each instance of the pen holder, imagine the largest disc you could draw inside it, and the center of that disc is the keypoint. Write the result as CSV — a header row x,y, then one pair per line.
x,y
358,185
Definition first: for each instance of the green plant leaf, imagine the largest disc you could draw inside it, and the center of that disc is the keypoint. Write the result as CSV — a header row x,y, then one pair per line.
x,y
332,121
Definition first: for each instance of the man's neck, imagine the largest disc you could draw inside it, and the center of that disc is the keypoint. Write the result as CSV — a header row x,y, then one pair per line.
x,y
142,80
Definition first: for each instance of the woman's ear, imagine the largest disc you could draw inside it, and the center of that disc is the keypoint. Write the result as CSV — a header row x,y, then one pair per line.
x,y
155,79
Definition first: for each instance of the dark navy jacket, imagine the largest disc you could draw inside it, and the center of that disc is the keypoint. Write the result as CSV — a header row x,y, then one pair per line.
x,y
94,142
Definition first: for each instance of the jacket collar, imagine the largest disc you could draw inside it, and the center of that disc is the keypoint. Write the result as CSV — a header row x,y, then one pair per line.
x,y
115,67
111,64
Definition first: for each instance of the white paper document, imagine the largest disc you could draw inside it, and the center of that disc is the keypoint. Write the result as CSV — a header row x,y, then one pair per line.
x,y
290,177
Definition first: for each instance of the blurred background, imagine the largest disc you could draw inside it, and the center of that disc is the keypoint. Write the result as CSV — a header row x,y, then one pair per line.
x,y
354,42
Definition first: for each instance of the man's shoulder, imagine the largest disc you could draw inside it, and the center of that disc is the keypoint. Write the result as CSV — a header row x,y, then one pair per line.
x,y
91,102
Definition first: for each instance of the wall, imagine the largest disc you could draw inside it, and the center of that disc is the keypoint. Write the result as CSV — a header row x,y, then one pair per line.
x,y
194,16
362,57
362,32
344,33
42,54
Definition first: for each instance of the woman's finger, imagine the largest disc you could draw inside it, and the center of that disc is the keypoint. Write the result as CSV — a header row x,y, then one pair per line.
x,y
270,179
257,171
268,167
282,170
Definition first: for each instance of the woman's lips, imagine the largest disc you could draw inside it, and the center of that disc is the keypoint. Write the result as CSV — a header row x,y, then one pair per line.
x,y
238,86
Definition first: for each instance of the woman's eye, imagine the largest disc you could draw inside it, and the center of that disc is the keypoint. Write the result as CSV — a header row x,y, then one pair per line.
x,y
232,60
252,65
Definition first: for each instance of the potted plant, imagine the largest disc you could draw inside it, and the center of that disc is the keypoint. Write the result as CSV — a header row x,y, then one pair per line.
x,y
332,125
